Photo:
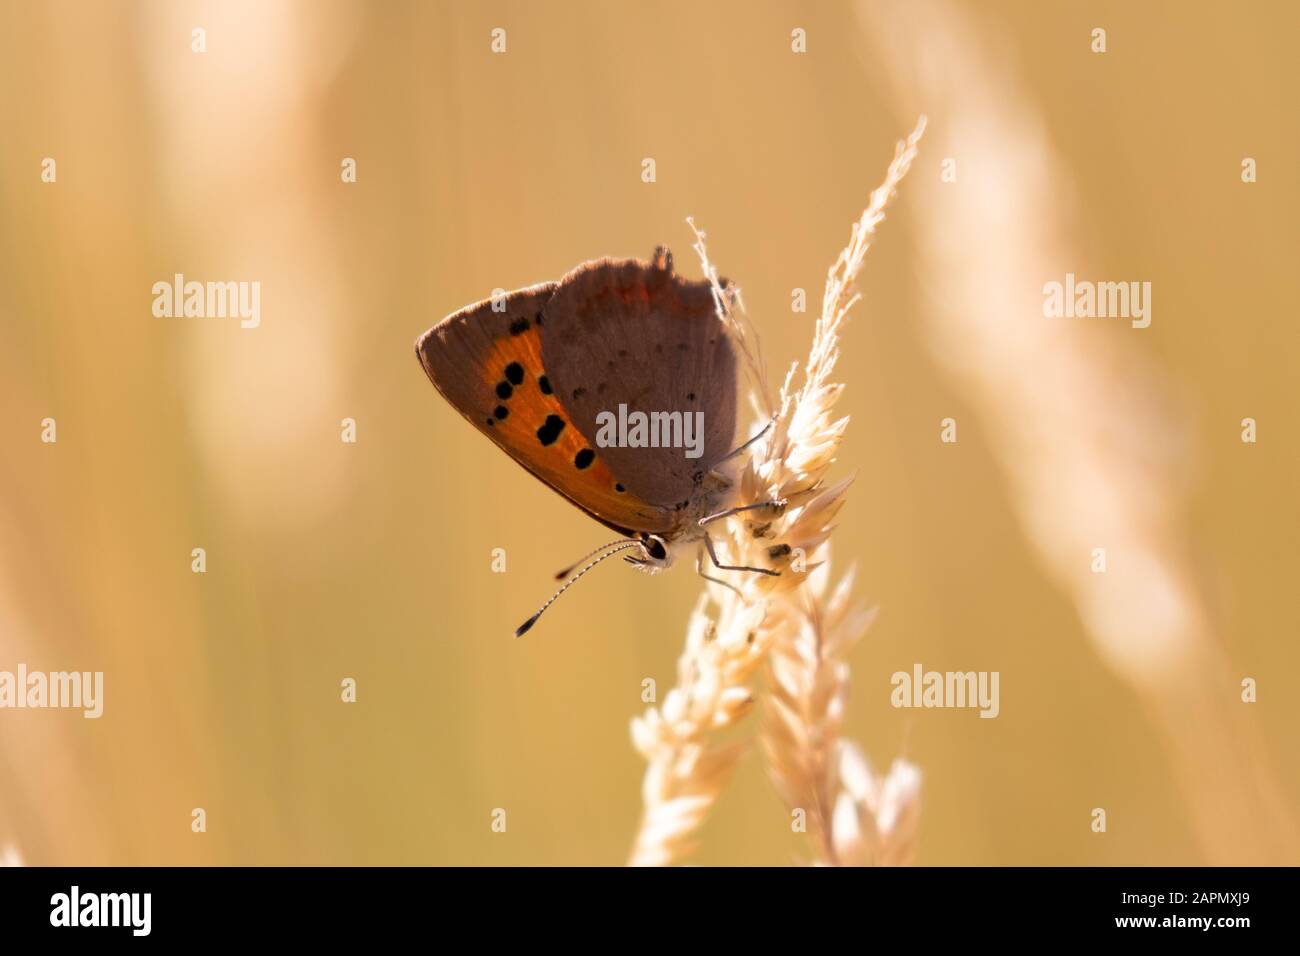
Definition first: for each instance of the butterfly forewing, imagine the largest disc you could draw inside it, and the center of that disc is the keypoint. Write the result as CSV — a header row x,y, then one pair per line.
x,y
488,363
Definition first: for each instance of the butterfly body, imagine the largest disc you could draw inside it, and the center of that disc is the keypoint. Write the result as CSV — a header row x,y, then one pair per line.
x,y
544,370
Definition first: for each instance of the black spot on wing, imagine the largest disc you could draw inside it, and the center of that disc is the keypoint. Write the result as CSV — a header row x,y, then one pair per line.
x,y
584,458
515,373
550,429
504,390
544,384
519,326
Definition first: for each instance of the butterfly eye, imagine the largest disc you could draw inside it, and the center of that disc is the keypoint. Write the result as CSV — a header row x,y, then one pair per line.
x,y
655,548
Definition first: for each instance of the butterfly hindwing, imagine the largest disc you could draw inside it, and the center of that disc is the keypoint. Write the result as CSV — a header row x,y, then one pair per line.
x,y
632,333
488,364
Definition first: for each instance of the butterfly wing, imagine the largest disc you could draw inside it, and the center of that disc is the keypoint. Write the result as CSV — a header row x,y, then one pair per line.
x,y
628,332
488,364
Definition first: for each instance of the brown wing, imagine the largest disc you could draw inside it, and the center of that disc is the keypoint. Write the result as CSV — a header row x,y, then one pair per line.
x,y
627,332
488,365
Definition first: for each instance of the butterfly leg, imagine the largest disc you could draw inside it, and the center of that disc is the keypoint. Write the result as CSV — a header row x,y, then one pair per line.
x,y
732,454
699,569
775,506
713,555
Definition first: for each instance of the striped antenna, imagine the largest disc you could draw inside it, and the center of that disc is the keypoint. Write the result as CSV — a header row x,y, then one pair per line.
x,y
525,627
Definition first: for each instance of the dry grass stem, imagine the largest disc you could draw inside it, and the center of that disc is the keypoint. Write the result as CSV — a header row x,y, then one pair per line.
x,y
788,624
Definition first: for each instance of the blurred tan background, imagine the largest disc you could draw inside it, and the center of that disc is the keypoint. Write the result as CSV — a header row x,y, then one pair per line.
x,y
373,561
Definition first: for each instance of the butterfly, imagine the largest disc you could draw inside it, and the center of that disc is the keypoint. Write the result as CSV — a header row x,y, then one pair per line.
x,y
554,373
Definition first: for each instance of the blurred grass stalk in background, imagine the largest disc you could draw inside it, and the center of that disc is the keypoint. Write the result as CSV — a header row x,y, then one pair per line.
x,y
1093,448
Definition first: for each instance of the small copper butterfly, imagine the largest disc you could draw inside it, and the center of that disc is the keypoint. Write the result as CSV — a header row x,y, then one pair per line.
x,y
594,383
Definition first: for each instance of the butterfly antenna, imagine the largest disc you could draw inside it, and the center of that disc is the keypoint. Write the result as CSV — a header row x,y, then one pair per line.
x,y
524,628
565,571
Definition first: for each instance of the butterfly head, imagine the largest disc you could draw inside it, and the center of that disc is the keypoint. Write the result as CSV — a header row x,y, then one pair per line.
x,y
653,556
